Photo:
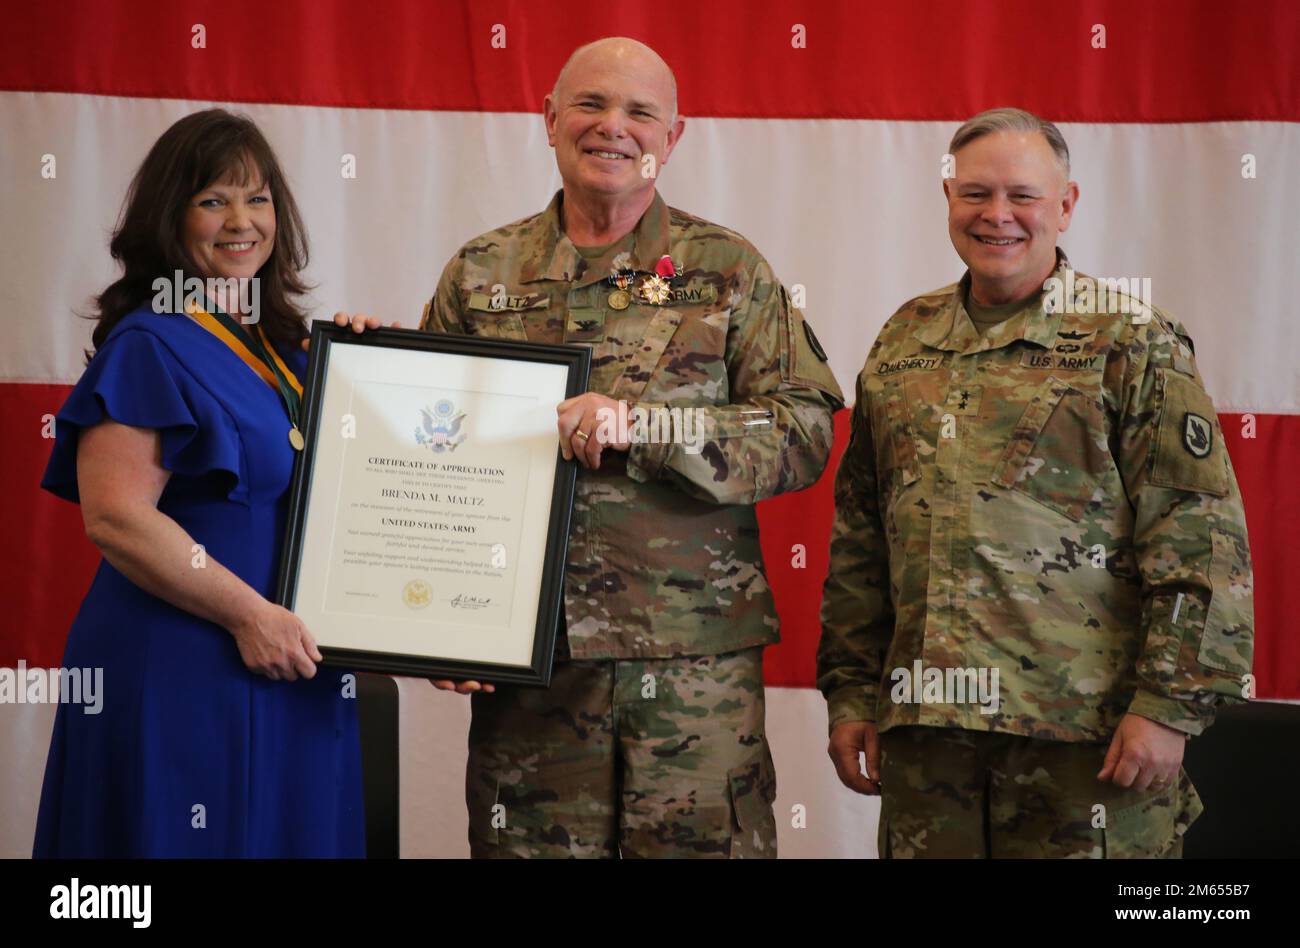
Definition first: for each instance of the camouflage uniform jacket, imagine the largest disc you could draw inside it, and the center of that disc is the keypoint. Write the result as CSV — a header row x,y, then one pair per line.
x,y
664,555
1053,501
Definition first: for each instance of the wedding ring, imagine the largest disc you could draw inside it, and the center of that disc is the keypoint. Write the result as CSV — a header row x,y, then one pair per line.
x,y
582,434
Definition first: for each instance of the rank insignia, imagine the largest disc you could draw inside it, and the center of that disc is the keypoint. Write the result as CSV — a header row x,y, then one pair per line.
x,y
1198,436
654,290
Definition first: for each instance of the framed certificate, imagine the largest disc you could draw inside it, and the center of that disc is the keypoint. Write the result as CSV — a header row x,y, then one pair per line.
x,y
429,510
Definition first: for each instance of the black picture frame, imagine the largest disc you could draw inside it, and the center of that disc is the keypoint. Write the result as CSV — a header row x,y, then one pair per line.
x,y
577,361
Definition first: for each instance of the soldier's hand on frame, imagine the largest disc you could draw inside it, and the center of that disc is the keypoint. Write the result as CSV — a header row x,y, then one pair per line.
x,y
586,430
359,322
1143,753
463,687
848,740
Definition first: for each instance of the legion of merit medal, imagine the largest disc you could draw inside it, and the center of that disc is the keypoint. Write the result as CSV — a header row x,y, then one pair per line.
x,y
655,290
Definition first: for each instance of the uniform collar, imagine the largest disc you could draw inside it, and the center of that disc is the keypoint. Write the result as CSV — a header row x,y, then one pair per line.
x,y
951,327
556,258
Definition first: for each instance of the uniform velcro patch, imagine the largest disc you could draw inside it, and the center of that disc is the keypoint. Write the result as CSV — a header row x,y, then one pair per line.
x,y
1189,452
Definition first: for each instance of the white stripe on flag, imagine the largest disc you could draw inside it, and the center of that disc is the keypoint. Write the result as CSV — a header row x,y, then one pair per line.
x,y
852,210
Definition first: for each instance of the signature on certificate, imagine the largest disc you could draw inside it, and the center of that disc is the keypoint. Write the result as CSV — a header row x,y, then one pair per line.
x,y
463,601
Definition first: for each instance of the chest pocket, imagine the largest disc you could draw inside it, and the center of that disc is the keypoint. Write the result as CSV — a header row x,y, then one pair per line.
x,y
679,358
897,457
496,325
1058,452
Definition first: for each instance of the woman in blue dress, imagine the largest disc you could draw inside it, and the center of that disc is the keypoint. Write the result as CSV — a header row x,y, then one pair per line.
x,y
218,734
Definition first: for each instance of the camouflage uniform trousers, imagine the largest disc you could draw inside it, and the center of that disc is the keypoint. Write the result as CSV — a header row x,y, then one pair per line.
x,y
638,758
952,793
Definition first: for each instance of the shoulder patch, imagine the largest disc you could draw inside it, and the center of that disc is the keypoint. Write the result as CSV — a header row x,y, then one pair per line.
x,y
1198,435
1189,452
803,360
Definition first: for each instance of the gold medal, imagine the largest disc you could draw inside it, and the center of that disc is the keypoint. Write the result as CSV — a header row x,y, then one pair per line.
x,y
620,299
296,439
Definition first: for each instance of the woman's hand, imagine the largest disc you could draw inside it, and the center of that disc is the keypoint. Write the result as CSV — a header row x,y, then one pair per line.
x,y
120,478
274,642
359,322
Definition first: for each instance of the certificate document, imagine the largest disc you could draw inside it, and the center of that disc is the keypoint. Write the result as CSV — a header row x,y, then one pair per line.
x,y
431,504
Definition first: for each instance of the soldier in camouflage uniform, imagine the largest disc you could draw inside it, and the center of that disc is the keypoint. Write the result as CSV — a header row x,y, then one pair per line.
x,y
1036,488
650,740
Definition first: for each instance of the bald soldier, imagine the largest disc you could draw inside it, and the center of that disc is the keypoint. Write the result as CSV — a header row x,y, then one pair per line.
x,y
1040,584
650,740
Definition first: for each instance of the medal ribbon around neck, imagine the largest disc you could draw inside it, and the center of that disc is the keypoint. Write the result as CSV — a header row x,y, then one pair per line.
x,y
260,356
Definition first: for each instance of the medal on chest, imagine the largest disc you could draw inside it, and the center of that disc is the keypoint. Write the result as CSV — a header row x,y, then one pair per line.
x,y
654,290
256,351
619,297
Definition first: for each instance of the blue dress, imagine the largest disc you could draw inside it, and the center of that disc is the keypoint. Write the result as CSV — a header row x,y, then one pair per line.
x,y
192,754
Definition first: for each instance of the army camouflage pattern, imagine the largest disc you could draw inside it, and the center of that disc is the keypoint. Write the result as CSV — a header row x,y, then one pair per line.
x,y
958,794
664,555
608,762
1067,434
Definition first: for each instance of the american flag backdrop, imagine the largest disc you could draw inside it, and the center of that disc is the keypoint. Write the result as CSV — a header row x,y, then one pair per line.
x,y
816,129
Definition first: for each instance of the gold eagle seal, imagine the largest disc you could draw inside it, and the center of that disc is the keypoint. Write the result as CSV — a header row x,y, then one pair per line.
x,y
417,594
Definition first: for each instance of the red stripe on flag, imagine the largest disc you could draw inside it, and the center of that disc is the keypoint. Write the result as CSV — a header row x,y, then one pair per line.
x,y
46,562
1273,521
1163,61
805,519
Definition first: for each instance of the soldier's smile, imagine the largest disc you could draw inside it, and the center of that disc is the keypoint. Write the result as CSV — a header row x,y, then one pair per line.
x,y
996,248
998,241
605,157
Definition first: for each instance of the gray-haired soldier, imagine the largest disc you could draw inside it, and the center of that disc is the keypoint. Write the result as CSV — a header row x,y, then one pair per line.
x,y
1040,581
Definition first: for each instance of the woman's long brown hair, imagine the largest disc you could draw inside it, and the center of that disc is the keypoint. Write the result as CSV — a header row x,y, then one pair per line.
x,y
195,153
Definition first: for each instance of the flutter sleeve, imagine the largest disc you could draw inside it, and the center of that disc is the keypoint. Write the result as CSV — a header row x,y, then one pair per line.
x,y
136,380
